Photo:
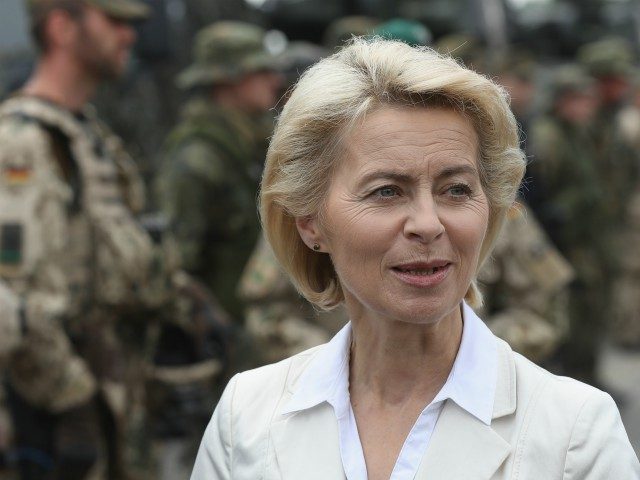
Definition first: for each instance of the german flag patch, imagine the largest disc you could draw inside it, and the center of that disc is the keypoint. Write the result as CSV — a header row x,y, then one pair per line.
x,y
16,175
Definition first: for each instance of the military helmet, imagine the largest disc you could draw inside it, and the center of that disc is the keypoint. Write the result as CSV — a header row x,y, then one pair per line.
x,y
407,31
226,50
570,78
128,10
342,29
606,57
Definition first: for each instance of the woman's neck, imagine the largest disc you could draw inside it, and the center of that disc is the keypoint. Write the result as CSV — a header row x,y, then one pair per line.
x,y
398,362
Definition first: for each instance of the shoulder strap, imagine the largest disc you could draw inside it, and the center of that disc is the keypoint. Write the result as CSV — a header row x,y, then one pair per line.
x,y
61,149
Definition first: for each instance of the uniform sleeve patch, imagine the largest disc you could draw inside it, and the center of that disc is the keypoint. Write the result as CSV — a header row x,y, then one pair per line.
x,y
11,244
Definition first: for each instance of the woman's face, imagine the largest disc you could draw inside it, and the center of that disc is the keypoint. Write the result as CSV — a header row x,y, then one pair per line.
x,y
405,215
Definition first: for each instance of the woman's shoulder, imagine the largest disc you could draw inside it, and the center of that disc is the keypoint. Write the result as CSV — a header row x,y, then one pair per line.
x,y
576,427
535,380
271,384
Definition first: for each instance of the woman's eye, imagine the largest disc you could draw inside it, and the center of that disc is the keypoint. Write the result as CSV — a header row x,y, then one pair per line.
x,y
386,192
460,190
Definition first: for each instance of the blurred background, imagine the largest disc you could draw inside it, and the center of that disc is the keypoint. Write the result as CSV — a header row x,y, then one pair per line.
x,y
572,69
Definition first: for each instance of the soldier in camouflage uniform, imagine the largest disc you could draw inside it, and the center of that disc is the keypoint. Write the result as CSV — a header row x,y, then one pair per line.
x,y
213,162
574,208
525,288
625,325
73,251
278,319
617,139
281,321
610,61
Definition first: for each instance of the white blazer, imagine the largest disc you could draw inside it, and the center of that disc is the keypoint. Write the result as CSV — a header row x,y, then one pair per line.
x,y
544,427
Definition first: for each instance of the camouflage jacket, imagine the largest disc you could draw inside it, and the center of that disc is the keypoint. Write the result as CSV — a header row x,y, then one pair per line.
x,y
525,287
208,187
574,206
71,247
10,323
281,321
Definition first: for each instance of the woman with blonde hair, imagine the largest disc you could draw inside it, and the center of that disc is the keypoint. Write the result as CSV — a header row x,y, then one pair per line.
x,y
386,183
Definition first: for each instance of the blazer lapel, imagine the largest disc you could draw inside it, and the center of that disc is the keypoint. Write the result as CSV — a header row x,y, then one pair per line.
x,y
463,447
307,445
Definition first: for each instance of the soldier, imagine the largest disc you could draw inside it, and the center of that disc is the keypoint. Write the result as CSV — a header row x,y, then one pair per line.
x,y
616,135
280,321
574,209
525,288
610,61
72,249
213,162
342,29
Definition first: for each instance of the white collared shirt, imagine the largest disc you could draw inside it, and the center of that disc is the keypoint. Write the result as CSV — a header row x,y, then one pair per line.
x,y
471,385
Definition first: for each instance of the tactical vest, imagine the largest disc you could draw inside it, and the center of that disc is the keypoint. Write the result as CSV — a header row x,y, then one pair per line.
x,y
110,261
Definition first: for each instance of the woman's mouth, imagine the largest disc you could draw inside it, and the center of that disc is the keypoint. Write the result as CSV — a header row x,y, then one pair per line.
x,y
422,275
420,271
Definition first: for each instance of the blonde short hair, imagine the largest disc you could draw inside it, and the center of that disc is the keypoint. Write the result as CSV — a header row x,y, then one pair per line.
x,y
327,103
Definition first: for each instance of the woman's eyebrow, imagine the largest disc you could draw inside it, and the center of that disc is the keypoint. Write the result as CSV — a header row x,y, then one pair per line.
x,y
457,170
384,175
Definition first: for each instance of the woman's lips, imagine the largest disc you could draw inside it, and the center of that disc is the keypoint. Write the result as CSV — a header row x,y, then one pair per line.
x,y
427,275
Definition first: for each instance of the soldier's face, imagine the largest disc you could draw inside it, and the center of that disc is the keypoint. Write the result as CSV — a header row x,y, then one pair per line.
x,y
578,108
103,44
258,91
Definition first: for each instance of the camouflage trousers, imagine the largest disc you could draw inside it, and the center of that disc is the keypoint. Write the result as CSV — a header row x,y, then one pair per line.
x,y
588,311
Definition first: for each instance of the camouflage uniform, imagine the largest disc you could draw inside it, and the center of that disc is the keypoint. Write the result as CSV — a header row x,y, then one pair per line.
x,y
281,321
70,243
574,208
609,61
10,323
213,162
524,284
616,136
625,325
68,233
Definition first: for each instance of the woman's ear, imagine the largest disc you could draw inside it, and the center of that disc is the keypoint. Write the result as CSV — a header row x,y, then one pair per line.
x,y
310,233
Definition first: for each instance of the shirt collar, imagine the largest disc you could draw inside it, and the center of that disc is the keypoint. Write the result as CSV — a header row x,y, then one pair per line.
x,y
471,383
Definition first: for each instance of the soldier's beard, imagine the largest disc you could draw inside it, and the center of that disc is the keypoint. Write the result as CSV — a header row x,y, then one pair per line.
x,y
98,62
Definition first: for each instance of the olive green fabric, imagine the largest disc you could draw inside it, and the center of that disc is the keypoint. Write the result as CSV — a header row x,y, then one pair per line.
x,y
341,30
586,175
225,51
130,10
524,286
607,57
207,187
570,78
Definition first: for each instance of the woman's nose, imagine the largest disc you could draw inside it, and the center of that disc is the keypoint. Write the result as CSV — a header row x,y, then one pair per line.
x,y
423,221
